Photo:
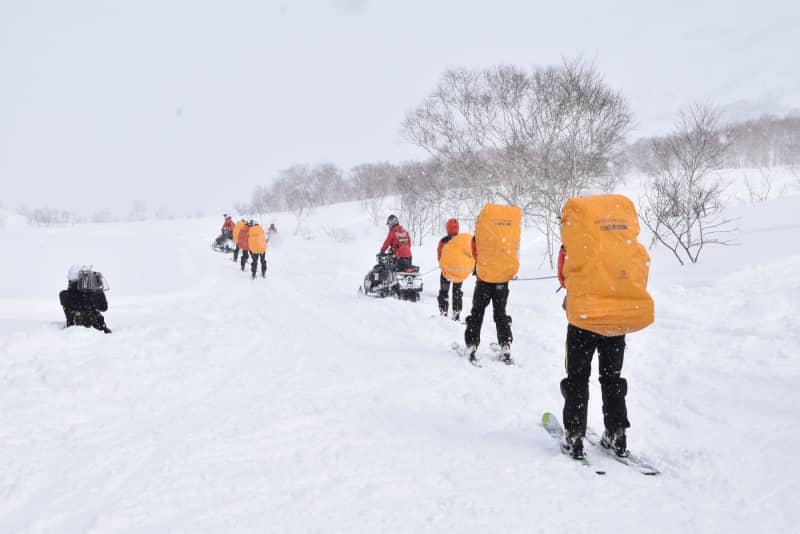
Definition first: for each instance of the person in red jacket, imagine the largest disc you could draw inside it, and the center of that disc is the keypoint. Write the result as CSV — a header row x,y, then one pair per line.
x,y
227,227
444,284
400,243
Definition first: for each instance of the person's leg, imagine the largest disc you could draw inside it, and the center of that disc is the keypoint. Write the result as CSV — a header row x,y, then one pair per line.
x,y
236,253
264,265
457,297
403,264
99,322
480,299
580,348
254,265
610,353
444,289
502,320
244,258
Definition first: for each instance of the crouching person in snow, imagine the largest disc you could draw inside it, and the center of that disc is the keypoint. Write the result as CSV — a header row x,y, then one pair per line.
x,y
257,243
604,270
84,298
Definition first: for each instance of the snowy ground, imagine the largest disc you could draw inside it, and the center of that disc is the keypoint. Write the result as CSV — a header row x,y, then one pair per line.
x,y
290,404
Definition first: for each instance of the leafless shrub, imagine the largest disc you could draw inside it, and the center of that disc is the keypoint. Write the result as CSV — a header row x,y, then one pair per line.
x,y
682,200
527,139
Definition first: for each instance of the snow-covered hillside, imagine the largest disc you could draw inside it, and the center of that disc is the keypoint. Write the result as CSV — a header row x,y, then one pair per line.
x,y
290,404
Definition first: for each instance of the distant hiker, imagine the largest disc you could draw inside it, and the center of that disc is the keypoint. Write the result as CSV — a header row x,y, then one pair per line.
x,y
84,298
495,248
242,241
235,234
272,230
257,243
455,259
400,243
604,269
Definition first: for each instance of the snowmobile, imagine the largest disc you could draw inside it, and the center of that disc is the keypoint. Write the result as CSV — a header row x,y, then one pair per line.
x,y
223,243
384,280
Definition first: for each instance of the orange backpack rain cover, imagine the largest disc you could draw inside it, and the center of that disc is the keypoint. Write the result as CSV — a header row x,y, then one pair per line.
x,y
605,267
457,262
497,233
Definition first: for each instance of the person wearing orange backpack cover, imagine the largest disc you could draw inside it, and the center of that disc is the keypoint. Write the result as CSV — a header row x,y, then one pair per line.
x,y
236,229
257,243
495,248
605,271
455,259
242,240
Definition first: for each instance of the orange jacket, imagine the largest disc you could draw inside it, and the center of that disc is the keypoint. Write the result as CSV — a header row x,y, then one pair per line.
x,y
236,228
257,240
242,238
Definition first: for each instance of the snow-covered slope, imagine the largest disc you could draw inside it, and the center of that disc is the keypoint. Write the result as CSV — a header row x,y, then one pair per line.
x,y
290,404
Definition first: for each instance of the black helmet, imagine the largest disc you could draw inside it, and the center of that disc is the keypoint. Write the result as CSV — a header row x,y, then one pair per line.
x,y
392,220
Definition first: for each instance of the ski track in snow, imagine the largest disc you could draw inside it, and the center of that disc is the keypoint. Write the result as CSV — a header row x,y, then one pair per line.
x,y
290,404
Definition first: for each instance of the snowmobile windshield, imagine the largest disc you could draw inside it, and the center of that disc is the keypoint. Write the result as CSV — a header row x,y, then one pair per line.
x,y
92,281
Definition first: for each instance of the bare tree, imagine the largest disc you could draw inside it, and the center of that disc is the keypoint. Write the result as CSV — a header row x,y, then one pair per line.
x,y
528,139
295,188
682,200
260,201
327,184
138,211
372,183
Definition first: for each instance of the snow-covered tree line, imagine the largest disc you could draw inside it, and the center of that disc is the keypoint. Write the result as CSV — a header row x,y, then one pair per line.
x,y
535,138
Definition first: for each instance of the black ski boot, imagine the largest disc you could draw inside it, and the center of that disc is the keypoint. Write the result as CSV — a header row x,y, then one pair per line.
x,y
505,354
573,445
616,441
473,354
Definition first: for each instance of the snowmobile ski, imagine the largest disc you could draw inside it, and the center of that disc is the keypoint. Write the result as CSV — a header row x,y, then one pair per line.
x,y
556,431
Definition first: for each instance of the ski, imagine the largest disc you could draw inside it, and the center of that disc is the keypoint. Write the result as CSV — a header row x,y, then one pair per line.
x,y
634,462
556,431
501,355
464,352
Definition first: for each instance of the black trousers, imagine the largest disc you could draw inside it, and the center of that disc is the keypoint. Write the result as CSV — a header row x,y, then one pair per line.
x,y
484,293
581,345
254,262
236,253
444,290
402,264
245,255
87,318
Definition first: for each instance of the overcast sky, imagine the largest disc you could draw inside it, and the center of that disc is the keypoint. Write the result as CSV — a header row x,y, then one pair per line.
x,y
191,104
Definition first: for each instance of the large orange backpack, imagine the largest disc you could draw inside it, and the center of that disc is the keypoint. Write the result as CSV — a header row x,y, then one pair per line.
x,y
497,234
457,262
256,240
605,267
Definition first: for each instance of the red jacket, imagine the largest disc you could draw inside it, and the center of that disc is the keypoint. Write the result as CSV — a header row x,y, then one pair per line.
x,y
399,240
228,224
243,238
561,256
